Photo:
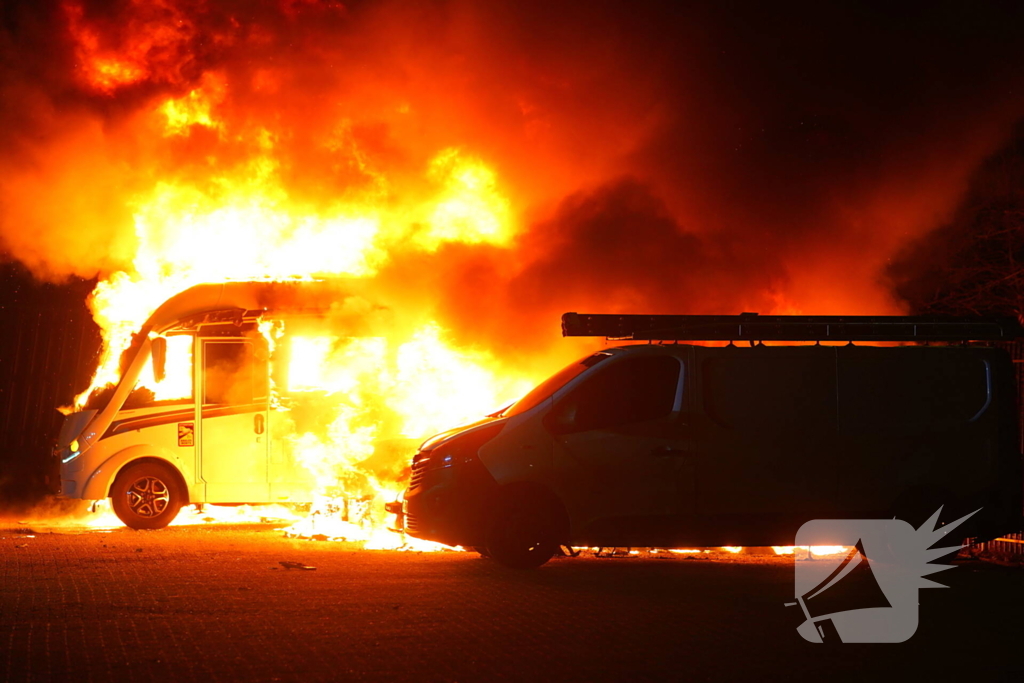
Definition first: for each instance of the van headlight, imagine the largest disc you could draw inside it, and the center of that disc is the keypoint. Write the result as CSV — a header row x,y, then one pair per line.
x,y
460,449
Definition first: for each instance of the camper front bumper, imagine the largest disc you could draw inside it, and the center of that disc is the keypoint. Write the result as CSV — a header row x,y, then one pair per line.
x,y
451,505
66,471
51,478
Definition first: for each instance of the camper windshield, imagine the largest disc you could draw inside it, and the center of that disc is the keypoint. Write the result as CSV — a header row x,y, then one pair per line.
x,y
552,384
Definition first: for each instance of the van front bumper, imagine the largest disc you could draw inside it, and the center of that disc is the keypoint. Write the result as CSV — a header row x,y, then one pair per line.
x,y
452,505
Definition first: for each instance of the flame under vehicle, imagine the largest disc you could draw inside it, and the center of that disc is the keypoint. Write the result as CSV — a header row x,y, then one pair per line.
x,y
678,445
221,439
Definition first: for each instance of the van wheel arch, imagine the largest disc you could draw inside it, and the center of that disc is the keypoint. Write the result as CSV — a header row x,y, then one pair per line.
x,y
529,525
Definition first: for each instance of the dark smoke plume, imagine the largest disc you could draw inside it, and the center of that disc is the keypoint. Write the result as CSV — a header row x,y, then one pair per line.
x,y
775,157
973,264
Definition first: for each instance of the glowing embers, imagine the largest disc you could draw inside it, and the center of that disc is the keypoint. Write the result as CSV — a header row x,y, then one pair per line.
x,y
357,521
798,550
98,516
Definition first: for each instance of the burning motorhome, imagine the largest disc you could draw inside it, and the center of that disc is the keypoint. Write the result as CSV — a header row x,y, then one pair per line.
x,y
248,392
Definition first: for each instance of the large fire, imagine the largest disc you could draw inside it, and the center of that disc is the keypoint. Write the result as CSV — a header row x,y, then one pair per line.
x,y
367,391
479,168
230,216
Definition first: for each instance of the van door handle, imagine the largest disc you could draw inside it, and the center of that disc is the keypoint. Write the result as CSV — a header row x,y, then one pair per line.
x,y
661,451
258,423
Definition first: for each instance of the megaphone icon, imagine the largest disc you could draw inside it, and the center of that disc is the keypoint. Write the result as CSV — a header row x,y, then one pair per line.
x,y
851,586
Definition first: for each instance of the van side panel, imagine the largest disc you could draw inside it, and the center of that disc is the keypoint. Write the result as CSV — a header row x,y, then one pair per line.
x,y
786,436
766,430
917,422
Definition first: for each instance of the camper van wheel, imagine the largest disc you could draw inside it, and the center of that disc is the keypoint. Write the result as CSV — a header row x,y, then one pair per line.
x,y
523,536
146,496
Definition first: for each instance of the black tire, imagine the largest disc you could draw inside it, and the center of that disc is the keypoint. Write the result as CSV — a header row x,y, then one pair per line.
x,y
524,536
147,496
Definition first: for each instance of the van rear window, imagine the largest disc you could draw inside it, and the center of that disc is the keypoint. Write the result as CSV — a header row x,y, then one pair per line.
x,y
910,391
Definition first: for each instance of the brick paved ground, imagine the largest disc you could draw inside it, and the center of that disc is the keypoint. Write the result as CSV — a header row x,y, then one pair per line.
x,y
213,604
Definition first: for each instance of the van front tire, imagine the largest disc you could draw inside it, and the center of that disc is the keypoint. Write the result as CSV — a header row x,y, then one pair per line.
x,y
146,496
524,535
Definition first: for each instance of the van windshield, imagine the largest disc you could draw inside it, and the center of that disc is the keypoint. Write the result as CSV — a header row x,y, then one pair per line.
x,y
553,384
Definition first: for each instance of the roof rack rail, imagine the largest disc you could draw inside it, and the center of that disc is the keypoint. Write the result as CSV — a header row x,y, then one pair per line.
x,y
754,327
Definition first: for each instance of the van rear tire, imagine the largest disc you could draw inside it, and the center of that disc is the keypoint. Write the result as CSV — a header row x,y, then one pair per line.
x,y
146,496
524,536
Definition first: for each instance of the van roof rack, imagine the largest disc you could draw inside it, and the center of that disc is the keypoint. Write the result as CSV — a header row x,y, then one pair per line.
x,y
754,327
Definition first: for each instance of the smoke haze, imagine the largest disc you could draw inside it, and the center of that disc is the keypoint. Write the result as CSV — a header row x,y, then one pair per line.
x,y
654,157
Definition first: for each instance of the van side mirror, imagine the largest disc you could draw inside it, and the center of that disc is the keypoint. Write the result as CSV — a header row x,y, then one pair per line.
x,y
561,419
159,353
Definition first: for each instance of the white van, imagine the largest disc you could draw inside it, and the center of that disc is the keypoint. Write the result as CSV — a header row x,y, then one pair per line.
x,y
675,445
217,441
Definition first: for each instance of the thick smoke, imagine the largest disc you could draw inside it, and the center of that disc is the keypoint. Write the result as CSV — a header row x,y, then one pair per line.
x,y
657,157
972,264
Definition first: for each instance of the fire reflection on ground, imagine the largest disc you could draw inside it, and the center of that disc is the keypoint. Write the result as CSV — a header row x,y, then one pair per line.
x,y
296,522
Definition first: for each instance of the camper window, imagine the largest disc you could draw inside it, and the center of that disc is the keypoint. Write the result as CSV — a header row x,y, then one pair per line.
x,y
228,372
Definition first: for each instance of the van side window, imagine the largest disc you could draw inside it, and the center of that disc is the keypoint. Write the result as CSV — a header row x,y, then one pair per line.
x,y
630,391
910,391
228,371
770,393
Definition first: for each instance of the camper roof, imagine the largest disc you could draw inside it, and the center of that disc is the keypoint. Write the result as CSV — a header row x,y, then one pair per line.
x,y
295,296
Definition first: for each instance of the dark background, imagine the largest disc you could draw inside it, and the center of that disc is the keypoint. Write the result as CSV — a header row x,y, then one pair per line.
x,y
48,351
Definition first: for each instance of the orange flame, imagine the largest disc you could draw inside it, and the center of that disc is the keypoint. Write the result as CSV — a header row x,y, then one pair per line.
x,y
239,221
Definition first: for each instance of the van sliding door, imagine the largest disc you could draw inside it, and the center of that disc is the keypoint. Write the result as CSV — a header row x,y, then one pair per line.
x,y
768,437
233,428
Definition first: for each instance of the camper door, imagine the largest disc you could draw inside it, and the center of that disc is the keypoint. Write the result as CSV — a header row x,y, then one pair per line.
x,y
233,424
